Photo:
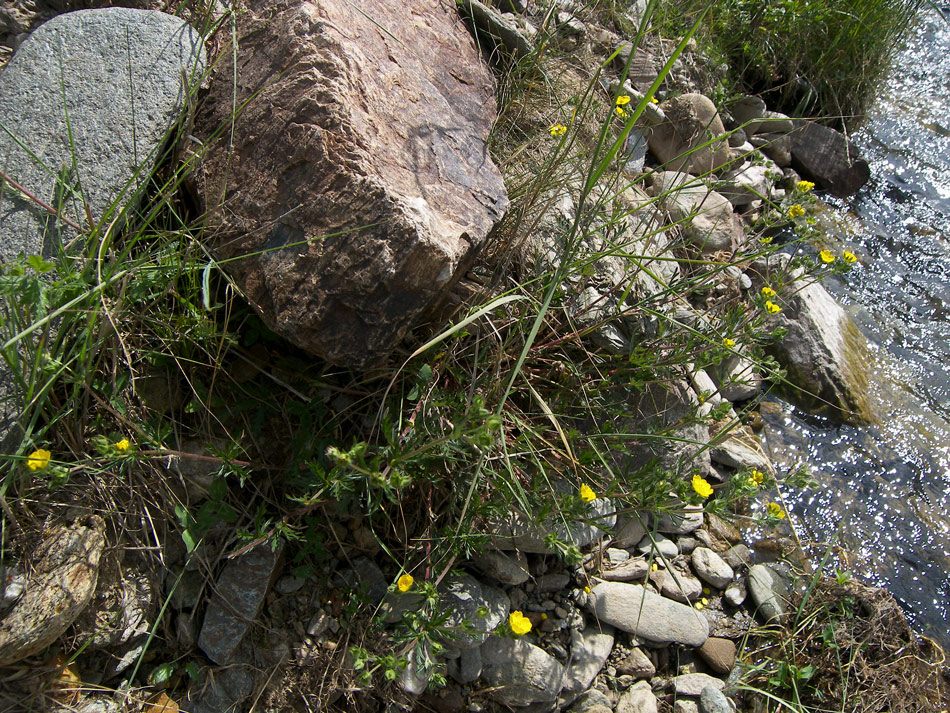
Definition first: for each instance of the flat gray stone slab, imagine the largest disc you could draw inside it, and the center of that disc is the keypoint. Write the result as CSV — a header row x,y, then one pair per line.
x,y
85,103
239,593
639,611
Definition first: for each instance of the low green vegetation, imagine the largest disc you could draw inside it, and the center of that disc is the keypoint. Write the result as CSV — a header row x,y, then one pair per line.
x,y
134,352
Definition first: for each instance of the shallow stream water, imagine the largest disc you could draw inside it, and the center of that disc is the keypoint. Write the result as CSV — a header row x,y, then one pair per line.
x,y
884,490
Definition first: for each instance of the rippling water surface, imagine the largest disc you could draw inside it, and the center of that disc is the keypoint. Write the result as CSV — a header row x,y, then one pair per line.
x,y
884,492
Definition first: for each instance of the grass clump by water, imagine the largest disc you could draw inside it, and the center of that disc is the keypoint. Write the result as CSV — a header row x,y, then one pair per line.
x,y
809,57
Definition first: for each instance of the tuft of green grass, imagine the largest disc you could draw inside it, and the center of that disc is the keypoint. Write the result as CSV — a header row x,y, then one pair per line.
x,y
808,57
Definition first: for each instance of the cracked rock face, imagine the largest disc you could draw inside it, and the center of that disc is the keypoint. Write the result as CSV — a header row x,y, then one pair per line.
x,y
359,185
56,592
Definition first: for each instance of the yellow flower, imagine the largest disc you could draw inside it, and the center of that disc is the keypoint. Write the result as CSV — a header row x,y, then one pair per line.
x,y
705,590
404,583
728,343
557,130
587,495
544,617
757,476
826,256
654,100
849,257
766,240
621,112
804,186
38,460
654,567
123,445
771,307
768,292
702,486
586,590
775,510
704,601
699,606
795,211
519,623
623,100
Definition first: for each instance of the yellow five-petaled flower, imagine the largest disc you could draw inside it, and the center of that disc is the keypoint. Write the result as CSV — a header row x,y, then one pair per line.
x,y
771,307
768,292
621,112
702,486
623,100
38,459
557,130
826,256
123,445
795,211
728,343
404,583
849,257
804,186
587,494
775,510
519,623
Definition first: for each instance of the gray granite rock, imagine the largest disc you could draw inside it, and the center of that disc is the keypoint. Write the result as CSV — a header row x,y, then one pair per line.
x,y
502,567
638,699
681,523
518,532
658,545
520,673
705,216
238,595
768,591
677,585
639,611
589,650
631,528
738,556
636,664
735,593
628,571
414,678
685,705
692,684
711,568
592,701
829,158
824,354
713,700
741,449
115,76
496,29
225,691
465,599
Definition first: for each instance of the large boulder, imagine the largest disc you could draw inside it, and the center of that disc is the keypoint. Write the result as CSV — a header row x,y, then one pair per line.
x,y
824,354
356,184
85,104
828,158
693,138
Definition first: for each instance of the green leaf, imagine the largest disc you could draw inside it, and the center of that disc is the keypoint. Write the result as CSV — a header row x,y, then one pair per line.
x,y
39,264
162,673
